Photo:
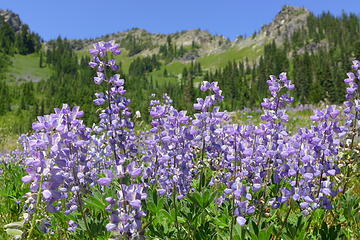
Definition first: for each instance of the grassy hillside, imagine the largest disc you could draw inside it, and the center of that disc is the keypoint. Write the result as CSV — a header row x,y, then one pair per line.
x,y
26,68
232,54
210,62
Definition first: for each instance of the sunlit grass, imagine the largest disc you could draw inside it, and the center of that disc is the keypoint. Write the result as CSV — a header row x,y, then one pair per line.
x,y
27,68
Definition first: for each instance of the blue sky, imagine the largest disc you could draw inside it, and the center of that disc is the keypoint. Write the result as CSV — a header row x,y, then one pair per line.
x,y
78,19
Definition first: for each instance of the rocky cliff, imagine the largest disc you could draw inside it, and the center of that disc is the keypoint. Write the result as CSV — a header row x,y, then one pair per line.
x,y
11,18
286,22
206,42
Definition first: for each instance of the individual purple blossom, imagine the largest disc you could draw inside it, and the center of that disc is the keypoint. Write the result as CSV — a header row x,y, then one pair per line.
x,y
72,226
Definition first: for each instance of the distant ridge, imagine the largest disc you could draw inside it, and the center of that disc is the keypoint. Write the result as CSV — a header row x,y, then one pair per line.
x,y
288,20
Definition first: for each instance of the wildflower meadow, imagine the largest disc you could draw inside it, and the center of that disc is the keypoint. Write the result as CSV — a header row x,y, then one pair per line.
x,y
198,176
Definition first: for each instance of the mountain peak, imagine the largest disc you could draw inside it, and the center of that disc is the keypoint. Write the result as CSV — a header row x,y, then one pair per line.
x,y
293,10
11,18
286,22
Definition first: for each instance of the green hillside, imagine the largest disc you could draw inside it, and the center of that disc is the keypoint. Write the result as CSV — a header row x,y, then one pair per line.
x,y
26,68
232,54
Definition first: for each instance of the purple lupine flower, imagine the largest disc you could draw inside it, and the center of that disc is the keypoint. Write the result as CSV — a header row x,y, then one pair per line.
x,y
170,148
57,161
352,105
126,211
116,141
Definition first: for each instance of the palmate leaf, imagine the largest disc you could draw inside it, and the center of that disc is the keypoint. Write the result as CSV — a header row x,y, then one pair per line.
x,y
221,221
96,202
155,203
203,199
152,207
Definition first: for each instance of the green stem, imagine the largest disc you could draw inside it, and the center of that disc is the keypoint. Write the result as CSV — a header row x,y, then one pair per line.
x,y
348,173
38,200
232,218
285,221
83,214
233,199
175,207
202,174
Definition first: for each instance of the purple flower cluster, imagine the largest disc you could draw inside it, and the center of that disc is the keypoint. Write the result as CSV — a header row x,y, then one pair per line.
x,y
169,151
207,124
126,212
255,157
57,162
115,136
352,105
64,158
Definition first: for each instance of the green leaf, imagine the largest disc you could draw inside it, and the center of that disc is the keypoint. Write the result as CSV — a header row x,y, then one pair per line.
x,y
14,232
264,235
95,204
152,207
221,222
299,223
255,228
253,236
14,225
167,215
155,196
160,204
240,231
195,198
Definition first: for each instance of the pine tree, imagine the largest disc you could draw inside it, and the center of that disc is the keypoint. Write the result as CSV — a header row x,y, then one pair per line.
x,y
41,60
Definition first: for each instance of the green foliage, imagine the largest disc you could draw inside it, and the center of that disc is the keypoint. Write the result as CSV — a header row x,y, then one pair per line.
x,y
4,64
22,42
141,66
170,51
27,42
11,192
135,44
5,100
7,38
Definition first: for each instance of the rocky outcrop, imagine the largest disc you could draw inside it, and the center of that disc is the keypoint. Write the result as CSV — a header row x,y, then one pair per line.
x,y
189,57
11,18
313,47
206,42
286,22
